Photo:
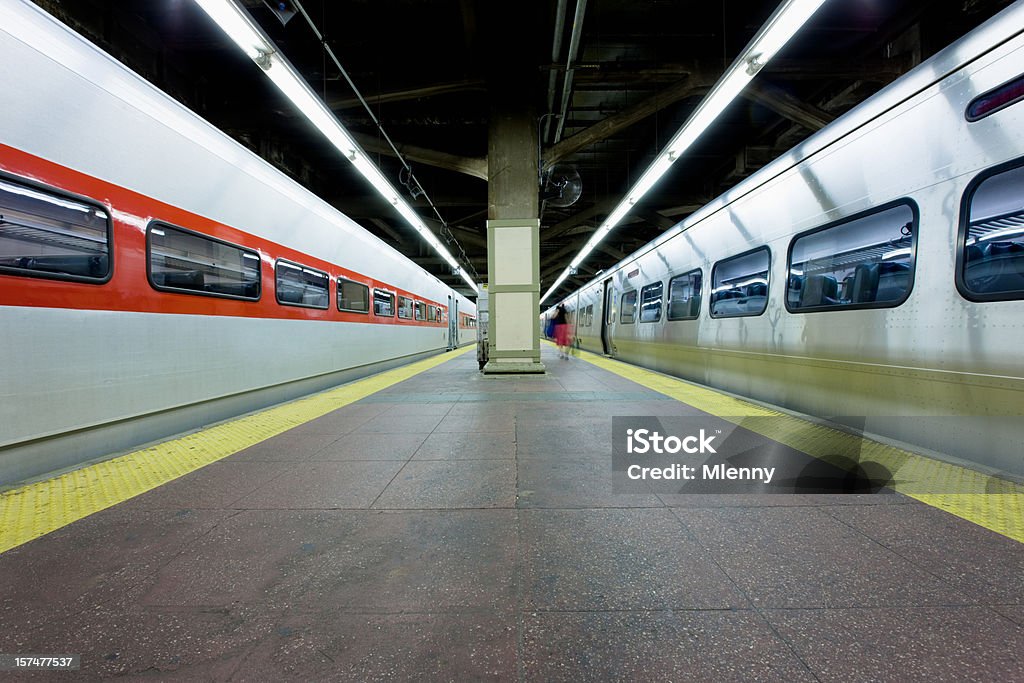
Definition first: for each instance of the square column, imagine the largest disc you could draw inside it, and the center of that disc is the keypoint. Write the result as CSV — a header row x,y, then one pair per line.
x,y
513,285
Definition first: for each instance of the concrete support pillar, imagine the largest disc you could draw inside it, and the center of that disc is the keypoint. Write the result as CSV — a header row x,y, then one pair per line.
x,y
513,239
513,226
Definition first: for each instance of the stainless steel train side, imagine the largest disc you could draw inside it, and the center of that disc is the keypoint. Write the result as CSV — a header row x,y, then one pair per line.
x,y
938,371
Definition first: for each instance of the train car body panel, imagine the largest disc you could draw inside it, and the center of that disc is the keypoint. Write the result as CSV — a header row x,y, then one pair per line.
x,y
938,371
93,367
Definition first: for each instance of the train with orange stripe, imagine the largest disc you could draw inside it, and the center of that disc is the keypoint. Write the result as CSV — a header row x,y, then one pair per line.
x,y
156,276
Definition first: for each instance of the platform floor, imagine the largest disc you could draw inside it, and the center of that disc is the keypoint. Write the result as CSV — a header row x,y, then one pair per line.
x,y
461,527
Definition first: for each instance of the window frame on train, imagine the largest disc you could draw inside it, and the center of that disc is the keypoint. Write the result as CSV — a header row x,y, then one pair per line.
x,y
1015,85
846,223
341,282
65,196
963,236
404,304
294,264
768,284
699,294
419,311
622,307
661,300
391,296
164,225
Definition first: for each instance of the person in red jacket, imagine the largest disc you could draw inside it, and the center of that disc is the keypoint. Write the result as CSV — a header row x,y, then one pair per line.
x,y
561,321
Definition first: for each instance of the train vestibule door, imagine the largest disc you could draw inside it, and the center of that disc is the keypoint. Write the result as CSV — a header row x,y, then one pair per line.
x,y
607,317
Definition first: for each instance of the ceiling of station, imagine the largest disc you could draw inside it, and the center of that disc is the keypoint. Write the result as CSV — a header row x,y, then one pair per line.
x,y
423,68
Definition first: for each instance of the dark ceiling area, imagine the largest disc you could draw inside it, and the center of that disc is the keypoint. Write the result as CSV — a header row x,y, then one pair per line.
x,y
610,81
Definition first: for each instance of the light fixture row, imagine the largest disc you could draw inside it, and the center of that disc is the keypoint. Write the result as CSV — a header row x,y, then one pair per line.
x,y
790,16
244,32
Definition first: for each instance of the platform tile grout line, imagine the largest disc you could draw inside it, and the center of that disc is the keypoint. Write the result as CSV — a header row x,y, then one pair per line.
x,y
36,509
991,502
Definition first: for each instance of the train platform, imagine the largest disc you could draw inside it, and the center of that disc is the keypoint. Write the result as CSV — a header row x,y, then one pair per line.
x,y
433,523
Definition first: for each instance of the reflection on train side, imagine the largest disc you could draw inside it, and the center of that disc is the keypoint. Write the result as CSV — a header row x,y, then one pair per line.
x,y
993,259
862,262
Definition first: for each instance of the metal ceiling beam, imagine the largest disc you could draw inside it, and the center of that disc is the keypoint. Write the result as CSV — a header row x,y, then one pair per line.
x,y
473,166
785,104
655,218
613,74
574,46
612,251
875,70
409,94
388,230
556,52
599,209
692,85
553,263
438,261
469,236
469,28
683,209
368,206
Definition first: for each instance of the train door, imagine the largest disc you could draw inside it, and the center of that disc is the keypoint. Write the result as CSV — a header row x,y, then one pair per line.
x,y
453,323
607,317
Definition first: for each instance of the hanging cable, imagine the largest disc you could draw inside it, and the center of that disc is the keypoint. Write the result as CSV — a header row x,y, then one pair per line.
x,y
410,181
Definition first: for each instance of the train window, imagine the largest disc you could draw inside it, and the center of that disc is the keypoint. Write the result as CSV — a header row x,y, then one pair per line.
x,y
650,302
684,296
862,262
996,99
405,308
739,285
44,234
991,260
421,310
353,296
298,285
628,307
383,304
590,315
431,314
184,261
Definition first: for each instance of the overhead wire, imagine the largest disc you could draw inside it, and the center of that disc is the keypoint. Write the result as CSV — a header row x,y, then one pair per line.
x,y
411,180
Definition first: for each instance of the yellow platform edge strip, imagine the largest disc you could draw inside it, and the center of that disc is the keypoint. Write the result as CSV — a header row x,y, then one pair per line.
x,y
988,501
36,509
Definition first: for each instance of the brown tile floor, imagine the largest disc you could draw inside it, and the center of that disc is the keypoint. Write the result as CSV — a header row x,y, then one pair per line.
x,y
459,527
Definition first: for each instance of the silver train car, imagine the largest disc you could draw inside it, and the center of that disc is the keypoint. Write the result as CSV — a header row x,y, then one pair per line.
x,y
873,276
156,276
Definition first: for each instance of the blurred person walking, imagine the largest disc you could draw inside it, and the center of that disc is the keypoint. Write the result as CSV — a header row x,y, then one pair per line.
x,y
561,321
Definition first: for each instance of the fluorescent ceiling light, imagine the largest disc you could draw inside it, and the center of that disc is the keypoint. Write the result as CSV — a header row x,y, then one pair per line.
x,y
244,32
776,32
238,26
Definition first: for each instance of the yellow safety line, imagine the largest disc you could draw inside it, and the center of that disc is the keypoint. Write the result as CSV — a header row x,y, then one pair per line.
x,y
37,509
988,501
